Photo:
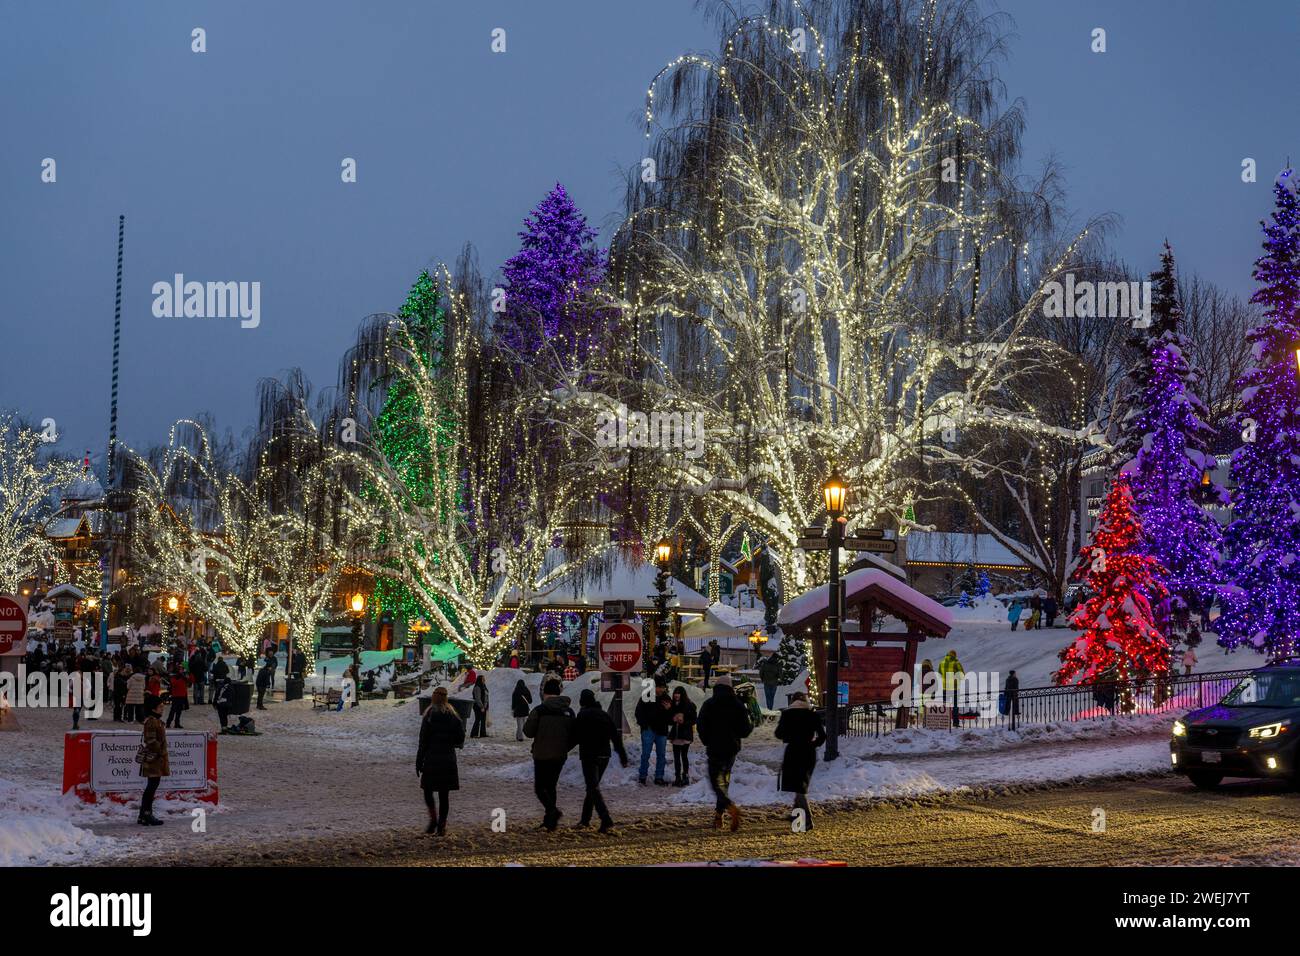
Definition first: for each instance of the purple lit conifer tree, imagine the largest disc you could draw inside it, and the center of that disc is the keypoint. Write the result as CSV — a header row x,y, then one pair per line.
x,y
1262,602
1167,443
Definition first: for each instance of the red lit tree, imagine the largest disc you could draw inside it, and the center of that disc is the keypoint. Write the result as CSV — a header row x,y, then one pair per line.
x,y
1119,639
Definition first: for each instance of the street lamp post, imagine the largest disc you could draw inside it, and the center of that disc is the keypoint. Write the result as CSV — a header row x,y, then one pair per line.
x,y
173,605
663,554
358,610
834,492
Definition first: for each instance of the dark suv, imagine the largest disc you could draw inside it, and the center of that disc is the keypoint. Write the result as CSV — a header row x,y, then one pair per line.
x,y
1252,732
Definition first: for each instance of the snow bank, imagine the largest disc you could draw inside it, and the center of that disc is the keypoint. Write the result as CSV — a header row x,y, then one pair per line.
x,y
37,830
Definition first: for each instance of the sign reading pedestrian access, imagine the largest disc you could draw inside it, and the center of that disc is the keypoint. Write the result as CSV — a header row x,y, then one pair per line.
x,y
13,627
618,646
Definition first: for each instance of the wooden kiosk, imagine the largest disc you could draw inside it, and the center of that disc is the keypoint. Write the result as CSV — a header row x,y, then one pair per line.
x,y
874,656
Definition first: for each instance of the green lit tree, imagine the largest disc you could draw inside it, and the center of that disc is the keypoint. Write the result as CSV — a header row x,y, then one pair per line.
x,y
415,448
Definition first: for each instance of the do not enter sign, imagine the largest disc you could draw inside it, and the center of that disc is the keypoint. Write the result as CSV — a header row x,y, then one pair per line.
x,y
13,626
618,647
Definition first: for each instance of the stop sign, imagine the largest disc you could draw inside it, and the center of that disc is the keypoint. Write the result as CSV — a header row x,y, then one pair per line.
x,y
619,647
13,626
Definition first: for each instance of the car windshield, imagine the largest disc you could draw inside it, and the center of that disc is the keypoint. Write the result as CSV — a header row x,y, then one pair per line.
x,y
1266,689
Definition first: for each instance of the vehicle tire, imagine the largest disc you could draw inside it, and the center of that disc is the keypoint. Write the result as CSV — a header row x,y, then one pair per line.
x,y
1205,779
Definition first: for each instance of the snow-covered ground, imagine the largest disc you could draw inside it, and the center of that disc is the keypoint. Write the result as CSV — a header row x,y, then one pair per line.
x,y
318,773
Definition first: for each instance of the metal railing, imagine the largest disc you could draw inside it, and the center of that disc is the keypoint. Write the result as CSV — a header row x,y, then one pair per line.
x,y
1045,705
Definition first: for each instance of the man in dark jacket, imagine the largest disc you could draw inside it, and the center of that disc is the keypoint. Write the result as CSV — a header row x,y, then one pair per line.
x,y
1011,693
550,727
263,683
595,731
706,665
722,724
220,670
769,672
1049,611
654,717
198,672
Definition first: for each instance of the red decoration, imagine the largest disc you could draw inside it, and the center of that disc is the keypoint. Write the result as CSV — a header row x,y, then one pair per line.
x,y
1120,640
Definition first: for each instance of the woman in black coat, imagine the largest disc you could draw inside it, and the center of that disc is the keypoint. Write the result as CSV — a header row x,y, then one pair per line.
x,y
681,733
521,702
441,735
801,728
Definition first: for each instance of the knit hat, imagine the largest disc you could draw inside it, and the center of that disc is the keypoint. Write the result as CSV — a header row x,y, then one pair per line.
x,y
587,698
724,680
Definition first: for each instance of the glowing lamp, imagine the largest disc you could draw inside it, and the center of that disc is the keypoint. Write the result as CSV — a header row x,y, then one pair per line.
x,y
358,603
835,491
757,638
173,604
663,551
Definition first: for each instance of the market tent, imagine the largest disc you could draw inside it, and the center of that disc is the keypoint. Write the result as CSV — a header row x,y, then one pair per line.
x,y
612,579
729,626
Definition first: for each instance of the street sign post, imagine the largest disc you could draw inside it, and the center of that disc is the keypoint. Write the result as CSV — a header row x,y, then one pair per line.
x,y
877,545
620,610
618,649
618,646
13,627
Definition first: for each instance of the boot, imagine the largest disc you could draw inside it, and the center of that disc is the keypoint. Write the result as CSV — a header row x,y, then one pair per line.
x,y
442,828
151,821
606,826
433,822
734,812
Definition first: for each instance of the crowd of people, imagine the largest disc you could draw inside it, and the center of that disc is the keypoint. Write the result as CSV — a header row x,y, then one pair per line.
x,y
720,724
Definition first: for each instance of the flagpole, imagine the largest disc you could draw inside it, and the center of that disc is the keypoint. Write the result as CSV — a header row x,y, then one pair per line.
x,y
106,559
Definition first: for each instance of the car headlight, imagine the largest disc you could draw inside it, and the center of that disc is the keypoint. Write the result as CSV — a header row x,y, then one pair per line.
x,y
1268,731
1180,729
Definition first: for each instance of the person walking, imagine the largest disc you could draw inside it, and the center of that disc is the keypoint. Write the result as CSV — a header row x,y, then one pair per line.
x,y
199,672
263,683
801,729
1011,694
135,684
550,728
520,701
1049,611
654,718
596,735
480,695
723,722
1189,660
120,677
706,665
1013,612
441,735
179,689
769,673
681,732
152,758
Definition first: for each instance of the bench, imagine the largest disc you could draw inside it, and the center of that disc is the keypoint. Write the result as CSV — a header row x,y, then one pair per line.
x,y
329,700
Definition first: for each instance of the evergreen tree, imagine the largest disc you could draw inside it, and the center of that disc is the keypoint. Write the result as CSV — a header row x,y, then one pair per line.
x,y
1169,441
1261,607
1119,639
549,283
418,454
983,588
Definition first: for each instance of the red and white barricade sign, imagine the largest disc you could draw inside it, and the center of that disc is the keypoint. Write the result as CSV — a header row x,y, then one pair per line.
x,y
13,627
100,764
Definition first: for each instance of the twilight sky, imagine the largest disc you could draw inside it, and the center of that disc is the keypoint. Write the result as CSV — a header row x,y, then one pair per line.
x,y
226,163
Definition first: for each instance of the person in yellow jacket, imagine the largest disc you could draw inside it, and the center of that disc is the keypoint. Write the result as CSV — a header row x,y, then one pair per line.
x,y
950,674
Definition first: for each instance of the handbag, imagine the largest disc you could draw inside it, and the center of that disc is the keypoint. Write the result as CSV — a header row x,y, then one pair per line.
x,y
142,752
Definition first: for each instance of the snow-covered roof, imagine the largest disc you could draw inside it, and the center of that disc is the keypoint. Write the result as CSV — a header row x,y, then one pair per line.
x,y
69,589
723,620
815,602
63,527
84,488
615,579
953,547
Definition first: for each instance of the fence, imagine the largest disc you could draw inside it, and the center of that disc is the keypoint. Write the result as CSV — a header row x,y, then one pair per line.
x,y
1045,705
